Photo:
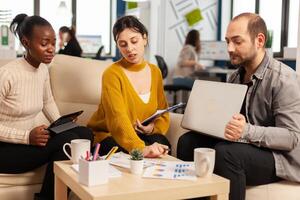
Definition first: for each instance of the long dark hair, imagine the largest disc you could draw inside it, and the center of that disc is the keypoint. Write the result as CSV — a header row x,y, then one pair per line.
x,y
70,31
22,25
193,38
73,39
130,22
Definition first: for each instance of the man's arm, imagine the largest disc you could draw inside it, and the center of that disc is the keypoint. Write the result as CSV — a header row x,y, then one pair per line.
x,y
286,111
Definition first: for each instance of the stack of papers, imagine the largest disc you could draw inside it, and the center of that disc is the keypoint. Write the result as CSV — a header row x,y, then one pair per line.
x,y
113,172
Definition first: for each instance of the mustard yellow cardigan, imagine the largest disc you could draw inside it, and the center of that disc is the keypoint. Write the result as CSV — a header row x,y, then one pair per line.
x,y
120,106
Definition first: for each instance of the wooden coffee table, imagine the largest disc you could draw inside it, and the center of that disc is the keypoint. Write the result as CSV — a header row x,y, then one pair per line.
x,y
132,187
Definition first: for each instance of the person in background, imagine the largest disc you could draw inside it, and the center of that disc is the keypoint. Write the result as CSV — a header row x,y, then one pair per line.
x,y
132,90
68,43
188,61
269,118
25,142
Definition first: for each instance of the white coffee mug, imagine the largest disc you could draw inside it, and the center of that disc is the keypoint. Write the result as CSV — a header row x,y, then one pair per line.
x,y
78,147
204,159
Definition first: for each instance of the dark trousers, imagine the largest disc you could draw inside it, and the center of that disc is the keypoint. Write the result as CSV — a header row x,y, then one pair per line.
x,y
109,142
19,158
242,164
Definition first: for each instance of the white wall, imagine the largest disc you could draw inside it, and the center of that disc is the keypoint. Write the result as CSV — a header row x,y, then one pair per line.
x,y
176,27
168,28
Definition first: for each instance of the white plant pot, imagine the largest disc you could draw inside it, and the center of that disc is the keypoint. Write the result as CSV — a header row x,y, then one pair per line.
x,y
136,166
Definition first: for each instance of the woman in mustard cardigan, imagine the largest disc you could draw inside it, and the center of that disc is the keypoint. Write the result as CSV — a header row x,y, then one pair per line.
x,y
132,90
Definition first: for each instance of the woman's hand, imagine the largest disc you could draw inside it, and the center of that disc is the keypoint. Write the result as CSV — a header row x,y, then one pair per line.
x,y
199,67
147,130
235,127
155,150
39,136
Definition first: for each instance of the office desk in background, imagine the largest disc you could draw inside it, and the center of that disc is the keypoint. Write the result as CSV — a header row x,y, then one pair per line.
x,y
214,73
131,186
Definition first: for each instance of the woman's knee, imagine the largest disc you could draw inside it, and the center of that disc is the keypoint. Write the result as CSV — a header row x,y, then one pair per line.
x,y
84,133
72,134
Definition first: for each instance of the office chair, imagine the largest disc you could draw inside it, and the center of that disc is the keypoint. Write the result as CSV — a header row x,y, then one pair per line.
x,y
171,88
162,66
99,54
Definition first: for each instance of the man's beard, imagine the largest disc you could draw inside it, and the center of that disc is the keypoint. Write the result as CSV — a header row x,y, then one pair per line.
x,y
244,61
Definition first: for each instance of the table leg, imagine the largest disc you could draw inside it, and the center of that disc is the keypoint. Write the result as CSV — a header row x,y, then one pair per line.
x,y
60,190
219,197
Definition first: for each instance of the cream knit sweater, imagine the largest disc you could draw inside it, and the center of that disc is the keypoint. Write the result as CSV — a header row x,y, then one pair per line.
x,y
24,92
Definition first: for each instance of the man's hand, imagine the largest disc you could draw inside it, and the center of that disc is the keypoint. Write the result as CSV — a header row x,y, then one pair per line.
x,y
39,136
235,127
155,150
147,130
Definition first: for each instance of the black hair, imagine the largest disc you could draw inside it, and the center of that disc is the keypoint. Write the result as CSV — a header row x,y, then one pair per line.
x,y
22,25
193,38
71,31
65,29
130,22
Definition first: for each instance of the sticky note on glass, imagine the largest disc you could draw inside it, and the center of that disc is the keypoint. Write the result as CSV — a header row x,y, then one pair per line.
x,y
132,5
194,17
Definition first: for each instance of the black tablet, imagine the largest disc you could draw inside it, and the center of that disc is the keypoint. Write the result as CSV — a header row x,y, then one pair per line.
x,y
65,122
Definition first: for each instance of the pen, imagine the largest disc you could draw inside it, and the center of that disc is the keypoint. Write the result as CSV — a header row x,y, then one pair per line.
x,y
111,152
96,151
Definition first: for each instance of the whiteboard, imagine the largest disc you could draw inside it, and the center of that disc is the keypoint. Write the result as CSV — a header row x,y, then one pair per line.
x,y
214,50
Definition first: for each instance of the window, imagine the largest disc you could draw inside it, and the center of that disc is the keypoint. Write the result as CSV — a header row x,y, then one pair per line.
x,y
94,24
272,19
280,16
57,12
293,20
11,10
225,17
24,6
241,6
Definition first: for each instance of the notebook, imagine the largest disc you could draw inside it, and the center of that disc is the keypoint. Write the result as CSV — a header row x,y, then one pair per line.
x,y
211,105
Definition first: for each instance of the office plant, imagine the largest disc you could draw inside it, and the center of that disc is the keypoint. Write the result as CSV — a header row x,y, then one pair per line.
x,y
269,42
136,161
269,39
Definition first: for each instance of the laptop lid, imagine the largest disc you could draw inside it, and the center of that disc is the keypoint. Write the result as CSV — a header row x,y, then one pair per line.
x,y
211,105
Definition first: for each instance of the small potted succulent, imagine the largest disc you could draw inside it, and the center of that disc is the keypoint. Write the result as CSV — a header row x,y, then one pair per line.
x,y
136,161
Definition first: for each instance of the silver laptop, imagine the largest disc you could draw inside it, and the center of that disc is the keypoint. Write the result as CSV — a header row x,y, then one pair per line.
x,y
211,105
